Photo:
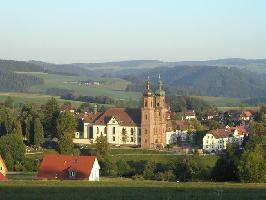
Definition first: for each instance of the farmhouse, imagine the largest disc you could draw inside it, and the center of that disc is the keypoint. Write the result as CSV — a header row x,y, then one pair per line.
x,y
3,169
64,167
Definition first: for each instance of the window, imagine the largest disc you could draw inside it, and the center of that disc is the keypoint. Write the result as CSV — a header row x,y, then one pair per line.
x,y
146,116
105,130
145,104
158,104
131,139
91,132
97,130
113,138
146,132
139,140
72,174
132,131
145,141
113,130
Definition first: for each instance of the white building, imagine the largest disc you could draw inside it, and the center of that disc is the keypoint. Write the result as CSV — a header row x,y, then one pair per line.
x,y
179,131
218,139
118,125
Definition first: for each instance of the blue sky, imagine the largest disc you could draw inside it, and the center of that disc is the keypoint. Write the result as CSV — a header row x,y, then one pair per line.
x,y
64,31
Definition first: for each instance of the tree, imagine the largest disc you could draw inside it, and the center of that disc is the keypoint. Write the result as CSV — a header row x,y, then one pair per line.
x,y
12,149
9,102
66,126
102,146
149,170
252,166
38,133
124,136
51,113
123,168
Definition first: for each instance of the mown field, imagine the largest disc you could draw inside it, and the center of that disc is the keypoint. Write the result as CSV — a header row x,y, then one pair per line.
x,y
112,87
127,189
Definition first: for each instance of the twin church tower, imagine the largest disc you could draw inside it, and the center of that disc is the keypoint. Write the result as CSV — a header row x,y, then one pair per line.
x,y
153,117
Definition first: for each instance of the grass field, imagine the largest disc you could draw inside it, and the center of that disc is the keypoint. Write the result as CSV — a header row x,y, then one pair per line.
x,y
127,189
32,98
113,87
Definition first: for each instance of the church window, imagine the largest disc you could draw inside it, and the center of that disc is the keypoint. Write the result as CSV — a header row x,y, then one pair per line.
x,y
131,139
145,104
113,138
132,131
146,116
105,130
97,130
113,130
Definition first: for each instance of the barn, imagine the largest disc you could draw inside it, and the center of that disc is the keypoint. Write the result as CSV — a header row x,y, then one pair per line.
x,y
65,167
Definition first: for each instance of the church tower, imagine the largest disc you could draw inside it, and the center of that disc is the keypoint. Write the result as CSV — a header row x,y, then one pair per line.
x,y
147,117
153,117
160,115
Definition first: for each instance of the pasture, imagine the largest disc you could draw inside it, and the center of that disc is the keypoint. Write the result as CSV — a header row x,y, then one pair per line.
x,y
121,188
112,87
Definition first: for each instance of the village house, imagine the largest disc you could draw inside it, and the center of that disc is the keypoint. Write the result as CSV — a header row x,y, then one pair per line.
x,y
218,139
64,167
246,116
3,169
189,115
179,131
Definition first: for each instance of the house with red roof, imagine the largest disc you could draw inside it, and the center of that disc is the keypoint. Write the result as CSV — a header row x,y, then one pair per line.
x,y
218,139
66,167
3,169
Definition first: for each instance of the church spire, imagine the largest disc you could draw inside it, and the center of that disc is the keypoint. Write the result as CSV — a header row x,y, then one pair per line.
x,y
148,91
160,91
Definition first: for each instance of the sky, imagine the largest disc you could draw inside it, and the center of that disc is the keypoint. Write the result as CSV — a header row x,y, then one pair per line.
x,y
67,31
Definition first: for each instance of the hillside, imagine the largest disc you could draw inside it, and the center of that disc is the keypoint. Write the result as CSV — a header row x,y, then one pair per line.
x,y
10,81
208,81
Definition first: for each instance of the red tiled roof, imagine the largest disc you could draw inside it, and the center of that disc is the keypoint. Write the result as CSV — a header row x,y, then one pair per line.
x,y
2,177
124,116
220,133
58,166
91,117
247,114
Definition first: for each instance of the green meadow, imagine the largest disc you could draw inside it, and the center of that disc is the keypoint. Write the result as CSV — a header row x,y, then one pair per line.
x,y
127,189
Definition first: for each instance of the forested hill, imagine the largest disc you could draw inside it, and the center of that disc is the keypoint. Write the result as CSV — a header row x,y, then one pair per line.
x,y
19,66
209,81
10,81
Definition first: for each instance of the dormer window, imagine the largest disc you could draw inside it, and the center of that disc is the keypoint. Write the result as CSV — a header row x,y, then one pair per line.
x,y
72,174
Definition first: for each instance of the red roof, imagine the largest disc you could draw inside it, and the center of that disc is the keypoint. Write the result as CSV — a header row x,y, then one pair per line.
x,y
59,166
220,133
2,177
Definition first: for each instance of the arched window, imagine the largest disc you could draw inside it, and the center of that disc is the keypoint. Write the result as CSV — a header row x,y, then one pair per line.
x,y
113,130
145,104
132,131
146,116
97,130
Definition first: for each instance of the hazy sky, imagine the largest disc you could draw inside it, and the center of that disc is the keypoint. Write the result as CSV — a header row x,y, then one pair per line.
x,y
64,31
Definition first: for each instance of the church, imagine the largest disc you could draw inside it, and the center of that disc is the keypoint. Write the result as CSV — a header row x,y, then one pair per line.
x,y
145,126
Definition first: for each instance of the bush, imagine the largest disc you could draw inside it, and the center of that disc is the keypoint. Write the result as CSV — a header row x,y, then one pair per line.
x,y
138,177
123,168
166,176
